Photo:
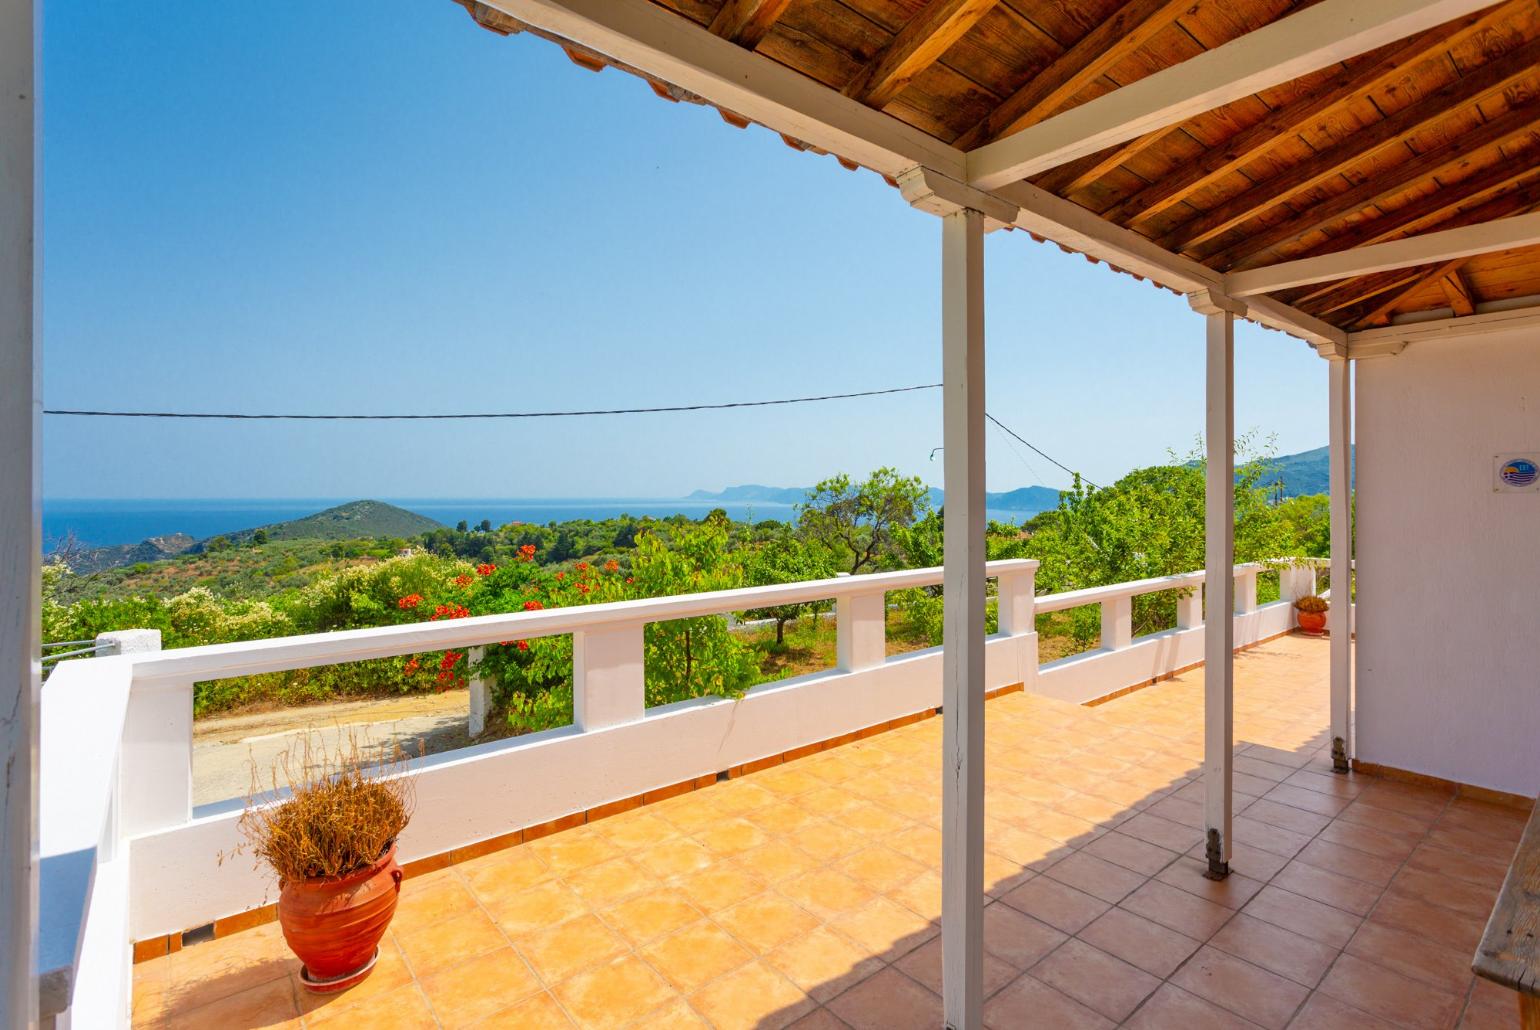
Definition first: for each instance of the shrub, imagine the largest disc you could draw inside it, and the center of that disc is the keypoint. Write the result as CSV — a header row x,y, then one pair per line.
x,y
1311,603
342,813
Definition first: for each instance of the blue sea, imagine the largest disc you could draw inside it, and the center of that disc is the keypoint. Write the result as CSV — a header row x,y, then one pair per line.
x,y
103,523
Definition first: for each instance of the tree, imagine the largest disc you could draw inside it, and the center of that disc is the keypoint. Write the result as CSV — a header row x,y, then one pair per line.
x,y
258,537
786,559
462,526
858,521
486,526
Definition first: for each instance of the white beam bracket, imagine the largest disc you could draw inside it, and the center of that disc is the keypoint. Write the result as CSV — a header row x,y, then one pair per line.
x,y
928,190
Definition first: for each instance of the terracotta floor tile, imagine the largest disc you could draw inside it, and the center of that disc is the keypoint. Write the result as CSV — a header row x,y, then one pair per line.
x,y
1304,916
538,1012
888,1000
572,850
404,1008
826,893
1322,885
752,996
1057,904
922,895
673,858
1389,995
1433,922
1172,1008
766,922
269,1005
1413,955
778,860
1323,1012
558,953
1176,909
820,1019
1187,873
613,995
1162,832
1130,853
390,971
1346,861
1287,816
886,928
651,915
924,964
720,886
880,868
823,963
610,881
1096,979
636,830
1137,940
476,988
1393,846
450,942
1250,991
1273,948
1269,837
538,908
1016,938
1482,870
1028,1002
500,875
696,955
1307,800
731,836
1095,876
1468,898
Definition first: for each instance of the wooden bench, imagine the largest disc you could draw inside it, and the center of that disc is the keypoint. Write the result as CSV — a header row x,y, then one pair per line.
x,y
1509,953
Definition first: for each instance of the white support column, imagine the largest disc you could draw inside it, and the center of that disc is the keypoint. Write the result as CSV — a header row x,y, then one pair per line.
x,y
1340,616
1219,576
20,537
608,678
962,688
860,631
155,766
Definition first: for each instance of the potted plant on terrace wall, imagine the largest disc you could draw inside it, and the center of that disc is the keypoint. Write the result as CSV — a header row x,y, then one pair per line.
x,y
1311,611
332,843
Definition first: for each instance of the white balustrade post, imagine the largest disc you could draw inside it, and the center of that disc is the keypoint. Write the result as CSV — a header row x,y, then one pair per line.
x,y
1339,616
1245,591
1219,314
1296,581
1117,623
155,768
1189,608
608,681
127,641
860,630
962,665
21,403
1015,589
480,696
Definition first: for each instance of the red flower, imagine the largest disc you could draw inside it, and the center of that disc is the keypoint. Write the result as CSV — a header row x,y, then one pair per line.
x,y
561,575
630,579
409,601
412,666
612,566
449,659
583,587
527,552
463,581
522,645
485,569
582,566
533,606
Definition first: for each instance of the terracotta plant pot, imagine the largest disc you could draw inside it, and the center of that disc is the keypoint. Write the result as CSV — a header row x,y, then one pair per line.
x,y
334,926
1312,623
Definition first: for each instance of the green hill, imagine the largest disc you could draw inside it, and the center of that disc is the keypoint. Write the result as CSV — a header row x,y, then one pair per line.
x,y
355,520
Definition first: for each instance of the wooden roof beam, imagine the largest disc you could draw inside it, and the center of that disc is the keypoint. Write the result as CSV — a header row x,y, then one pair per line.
x,y
1133,25
746,22
1315,38
1288,120
1381,311
1514,124
1385,134
917,46
1457,291
1463,242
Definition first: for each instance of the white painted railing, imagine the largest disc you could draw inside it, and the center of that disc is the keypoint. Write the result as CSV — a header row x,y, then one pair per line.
x,y
118,731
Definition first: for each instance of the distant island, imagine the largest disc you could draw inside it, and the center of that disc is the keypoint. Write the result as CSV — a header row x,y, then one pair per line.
x,y
1029,500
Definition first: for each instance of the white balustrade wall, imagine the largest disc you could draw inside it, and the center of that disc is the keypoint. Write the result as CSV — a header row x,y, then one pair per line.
x,y
138,709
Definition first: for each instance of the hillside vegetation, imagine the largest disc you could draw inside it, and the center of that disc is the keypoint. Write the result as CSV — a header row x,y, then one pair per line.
x,y
250,586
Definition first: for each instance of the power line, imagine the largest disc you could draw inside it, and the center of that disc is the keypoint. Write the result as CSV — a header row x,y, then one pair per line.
x,y
488,414
1048,457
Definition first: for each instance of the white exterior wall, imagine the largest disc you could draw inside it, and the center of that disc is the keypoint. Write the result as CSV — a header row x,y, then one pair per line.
x,y
1448,676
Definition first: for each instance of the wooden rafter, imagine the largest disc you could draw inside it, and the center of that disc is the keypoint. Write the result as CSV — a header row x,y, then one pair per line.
x,y
1387,133
1133,25
1356,291
1078,175
1446,201
1457,292
1511,125
1346,86
746,22
1381,311
917,46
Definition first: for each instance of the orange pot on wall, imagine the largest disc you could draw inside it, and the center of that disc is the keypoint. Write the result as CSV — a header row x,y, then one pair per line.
x,y
334,926
1313,623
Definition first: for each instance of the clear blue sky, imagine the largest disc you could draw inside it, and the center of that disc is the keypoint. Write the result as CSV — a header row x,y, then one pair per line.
x,y
380,207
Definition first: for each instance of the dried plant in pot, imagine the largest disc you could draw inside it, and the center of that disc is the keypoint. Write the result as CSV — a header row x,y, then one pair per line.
x,y
1311,613
328,827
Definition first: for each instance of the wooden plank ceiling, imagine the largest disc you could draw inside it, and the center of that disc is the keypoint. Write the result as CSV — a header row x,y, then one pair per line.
x,y
1432,132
